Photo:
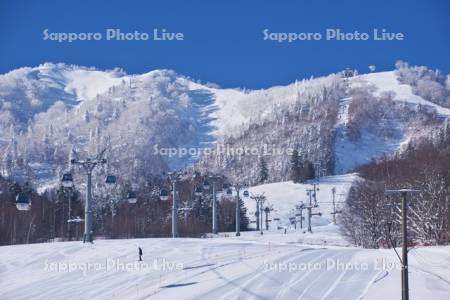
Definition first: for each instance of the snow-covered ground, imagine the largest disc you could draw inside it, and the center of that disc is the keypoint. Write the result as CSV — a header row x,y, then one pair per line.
x,y
282,197
273,266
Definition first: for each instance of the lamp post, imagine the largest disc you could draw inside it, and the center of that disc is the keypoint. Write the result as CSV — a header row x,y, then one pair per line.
x,y
267,210
257,216
310,207
260,199
333,191
174,179
238,188
238,212
300,208
67,183
314,190
404,260
89,165
164,195
214,179
132,199
110,182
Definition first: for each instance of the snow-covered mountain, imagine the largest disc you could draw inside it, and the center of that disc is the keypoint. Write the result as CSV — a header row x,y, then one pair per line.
x,y
334,121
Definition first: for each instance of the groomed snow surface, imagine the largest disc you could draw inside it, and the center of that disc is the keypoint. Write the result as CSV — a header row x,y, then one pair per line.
x,y
273,266
295,265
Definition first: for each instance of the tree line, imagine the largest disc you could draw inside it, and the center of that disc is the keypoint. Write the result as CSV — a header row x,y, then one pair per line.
x,y
371,218
116,217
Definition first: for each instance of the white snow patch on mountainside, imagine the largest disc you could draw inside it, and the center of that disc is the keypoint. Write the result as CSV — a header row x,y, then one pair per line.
x,y
350,154
387,81
86,84
237,107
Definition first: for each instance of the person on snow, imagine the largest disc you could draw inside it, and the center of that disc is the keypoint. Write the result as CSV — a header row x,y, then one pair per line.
x,y
140,253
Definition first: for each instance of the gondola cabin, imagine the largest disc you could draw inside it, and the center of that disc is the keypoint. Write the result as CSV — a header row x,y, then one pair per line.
x,y
198,191
111,180
23,201
164,195
67,180
131,196
206,185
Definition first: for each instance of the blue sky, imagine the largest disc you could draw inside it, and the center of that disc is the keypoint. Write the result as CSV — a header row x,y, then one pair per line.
x,y
224,40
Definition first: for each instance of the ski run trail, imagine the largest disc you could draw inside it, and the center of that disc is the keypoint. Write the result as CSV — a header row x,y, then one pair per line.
x,y
275,265
272,266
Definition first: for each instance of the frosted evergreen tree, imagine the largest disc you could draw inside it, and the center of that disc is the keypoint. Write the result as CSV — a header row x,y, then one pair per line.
x,y
310,173
296,167
263,171
87,117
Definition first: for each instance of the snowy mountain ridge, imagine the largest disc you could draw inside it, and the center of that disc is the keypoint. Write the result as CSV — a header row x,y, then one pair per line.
x,y
47,110
73,84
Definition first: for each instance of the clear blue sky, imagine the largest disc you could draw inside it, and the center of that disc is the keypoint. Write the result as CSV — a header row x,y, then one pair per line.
x,y
223,39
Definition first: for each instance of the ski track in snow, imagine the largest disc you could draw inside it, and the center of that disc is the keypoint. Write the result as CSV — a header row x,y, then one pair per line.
x,y
217,268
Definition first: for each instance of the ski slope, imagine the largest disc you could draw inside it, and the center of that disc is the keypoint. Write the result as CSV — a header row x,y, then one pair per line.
x,y
273,266
388,82
351,153
282,197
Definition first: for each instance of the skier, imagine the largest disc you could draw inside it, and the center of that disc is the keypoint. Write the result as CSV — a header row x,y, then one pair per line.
x,y
140,253
285,230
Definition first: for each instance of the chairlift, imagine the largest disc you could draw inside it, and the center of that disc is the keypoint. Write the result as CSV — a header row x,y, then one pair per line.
x,y
198,191
67,180
246,194
164,195
110,180
131,196
206,185
23,201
